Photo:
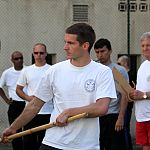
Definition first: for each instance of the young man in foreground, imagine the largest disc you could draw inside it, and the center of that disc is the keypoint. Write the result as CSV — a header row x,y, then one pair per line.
x,y
76,85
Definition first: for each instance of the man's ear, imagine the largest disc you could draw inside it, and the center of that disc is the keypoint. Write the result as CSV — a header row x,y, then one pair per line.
x,y
110,51
12,60
86,45
46,53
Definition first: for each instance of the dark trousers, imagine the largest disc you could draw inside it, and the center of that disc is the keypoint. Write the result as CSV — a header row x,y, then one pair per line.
x,y
14,110
45,147
34,140
128,138
109,138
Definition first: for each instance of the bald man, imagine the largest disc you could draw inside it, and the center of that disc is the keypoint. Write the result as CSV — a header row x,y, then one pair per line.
x,y
124,61
16,104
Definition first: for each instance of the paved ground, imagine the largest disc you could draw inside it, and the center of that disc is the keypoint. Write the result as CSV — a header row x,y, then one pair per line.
x,y
5,147
8,147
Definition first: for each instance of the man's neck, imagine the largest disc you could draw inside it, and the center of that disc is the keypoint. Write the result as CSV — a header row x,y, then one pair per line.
x,y
107,63
80,62
39,64
127,69
18,68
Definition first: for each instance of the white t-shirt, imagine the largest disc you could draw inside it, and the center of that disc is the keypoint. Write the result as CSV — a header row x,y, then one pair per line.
x,y
142,107
9,79
70,87
29,78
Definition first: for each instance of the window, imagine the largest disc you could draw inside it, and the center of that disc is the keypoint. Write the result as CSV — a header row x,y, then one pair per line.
x,y
80,13
133,7
122,6
143,7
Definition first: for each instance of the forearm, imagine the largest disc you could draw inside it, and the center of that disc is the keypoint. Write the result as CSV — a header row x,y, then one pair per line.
x,y
123,106
148,95
97,109
3,95
120,121
28,114
22,94
139,95
5,98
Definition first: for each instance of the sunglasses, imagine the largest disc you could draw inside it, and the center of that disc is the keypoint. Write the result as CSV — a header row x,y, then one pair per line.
x,y
41,53
17,58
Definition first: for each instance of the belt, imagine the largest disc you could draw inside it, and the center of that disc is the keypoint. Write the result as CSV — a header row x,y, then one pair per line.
x,y
15,101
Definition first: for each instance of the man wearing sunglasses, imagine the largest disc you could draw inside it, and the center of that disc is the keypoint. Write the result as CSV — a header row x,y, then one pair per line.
x,y
16,104
29,78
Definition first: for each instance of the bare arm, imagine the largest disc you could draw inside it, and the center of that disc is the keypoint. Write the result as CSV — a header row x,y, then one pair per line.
x,y
138,95
123,105
148,95
26,116
5,98
123,102
97,109
22,94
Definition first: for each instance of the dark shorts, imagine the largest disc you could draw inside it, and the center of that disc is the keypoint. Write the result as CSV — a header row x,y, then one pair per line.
x,y
110,139
33,141
46,147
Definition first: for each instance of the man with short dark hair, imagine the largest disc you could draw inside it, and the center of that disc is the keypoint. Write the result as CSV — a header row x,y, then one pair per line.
x,y
112,124
76,85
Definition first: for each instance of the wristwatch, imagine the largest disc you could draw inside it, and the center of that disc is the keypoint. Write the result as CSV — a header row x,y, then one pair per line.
x,y
145,96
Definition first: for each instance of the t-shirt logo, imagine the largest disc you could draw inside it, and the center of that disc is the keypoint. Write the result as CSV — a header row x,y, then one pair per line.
x,y
148,78
89,85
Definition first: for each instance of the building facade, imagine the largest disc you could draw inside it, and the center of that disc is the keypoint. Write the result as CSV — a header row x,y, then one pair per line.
x,y
27,22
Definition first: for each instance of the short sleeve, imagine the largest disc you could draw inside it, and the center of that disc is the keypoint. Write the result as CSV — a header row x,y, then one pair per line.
x,y
22,79
105,85
3,80
44,88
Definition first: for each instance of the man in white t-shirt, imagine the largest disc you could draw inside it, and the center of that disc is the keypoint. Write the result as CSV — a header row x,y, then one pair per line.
x,y
76,85
141,96
16,104
29,78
